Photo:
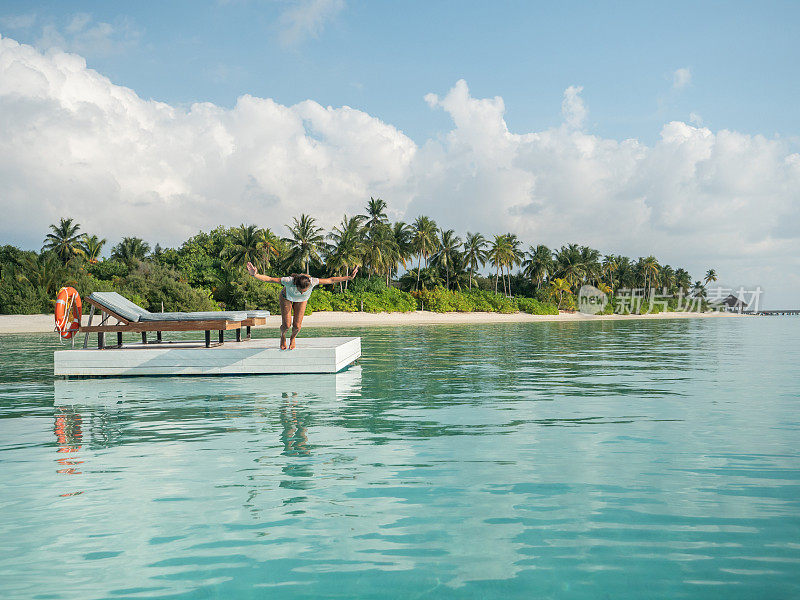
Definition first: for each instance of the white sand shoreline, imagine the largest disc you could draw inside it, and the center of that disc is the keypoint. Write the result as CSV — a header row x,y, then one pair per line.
x,y
45,323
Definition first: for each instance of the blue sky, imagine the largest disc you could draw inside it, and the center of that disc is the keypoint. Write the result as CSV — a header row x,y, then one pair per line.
x,y
383,57
636,128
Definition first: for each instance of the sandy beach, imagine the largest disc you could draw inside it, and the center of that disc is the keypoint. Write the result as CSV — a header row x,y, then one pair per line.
x,y
45,323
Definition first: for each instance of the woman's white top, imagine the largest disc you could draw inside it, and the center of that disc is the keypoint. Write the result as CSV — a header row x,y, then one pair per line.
x,y
291,291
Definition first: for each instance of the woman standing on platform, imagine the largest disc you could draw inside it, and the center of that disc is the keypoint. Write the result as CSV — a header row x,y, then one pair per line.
x,y
294,296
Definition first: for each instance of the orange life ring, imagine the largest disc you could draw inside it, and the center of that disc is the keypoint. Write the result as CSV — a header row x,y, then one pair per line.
x,y
68,312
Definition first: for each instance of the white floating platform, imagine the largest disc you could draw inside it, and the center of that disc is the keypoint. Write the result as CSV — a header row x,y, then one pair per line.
x,y
261,356
261,390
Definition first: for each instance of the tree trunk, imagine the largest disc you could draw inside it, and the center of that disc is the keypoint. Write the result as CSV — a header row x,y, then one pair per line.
x,y
419,262
496,275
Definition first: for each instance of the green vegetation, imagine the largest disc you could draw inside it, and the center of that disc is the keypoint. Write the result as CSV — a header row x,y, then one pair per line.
x,y
440,272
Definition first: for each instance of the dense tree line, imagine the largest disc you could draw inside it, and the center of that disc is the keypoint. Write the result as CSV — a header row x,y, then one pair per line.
x,y
206,271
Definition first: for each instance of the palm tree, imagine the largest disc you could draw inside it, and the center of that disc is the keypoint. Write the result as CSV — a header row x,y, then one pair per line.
x,y
380,253
498,254
403,235
44,271
475,253
557,288
347,250
698,291
683,280
425,277
570,265
459,272
626,273
64,241
424,240
379,248
306,241
376,214
445,256
711,276
91,246
130,250
514,256
667,279
609,267
271,246
650,269
246,246
592,269
539,264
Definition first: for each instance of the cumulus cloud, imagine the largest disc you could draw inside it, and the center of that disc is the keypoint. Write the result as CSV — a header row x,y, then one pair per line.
x,y
572,107
681,78
696,198
74,144
306,19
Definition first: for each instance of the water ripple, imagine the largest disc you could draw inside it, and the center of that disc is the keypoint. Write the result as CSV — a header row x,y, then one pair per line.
x,y
556,460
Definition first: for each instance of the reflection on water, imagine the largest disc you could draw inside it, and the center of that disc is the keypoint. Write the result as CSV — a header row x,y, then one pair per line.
x,y
196,408
68,437
295,419
621,460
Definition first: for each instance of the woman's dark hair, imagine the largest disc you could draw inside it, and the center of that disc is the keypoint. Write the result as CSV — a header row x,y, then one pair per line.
x,y
301,282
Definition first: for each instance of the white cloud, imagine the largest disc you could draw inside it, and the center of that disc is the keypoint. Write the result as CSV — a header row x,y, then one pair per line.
x,y
306,19
224,73
87,37
572,108
681,78
16,22
74,144
695,198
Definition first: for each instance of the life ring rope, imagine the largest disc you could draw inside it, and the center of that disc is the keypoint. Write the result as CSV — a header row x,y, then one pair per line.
x,y
68,312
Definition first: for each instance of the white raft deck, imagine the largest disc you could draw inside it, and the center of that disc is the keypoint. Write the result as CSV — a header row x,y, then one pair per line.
x,y
255,356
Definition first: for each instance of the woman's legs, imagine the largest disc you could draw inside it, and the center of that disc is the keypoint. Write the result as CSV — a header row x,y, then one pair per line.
x,y
299,310
286,317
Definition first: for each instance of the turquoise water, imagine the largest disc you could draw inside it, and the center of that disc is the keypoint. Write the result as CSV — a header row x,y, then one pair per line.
x,y
656,459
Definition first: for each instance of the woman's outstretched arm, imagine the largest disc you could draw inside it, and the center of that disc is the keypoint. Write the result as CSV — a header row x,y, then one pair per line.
x,y
328,280
254,272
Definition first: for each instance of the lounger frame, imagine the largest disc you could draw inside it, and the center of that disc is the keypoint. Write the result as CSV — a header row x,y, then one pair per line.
x,y
123,325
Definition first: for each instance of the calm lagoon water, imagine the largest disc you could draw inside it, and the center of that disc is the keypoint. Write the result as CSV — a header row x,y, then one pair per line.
x,y
655,459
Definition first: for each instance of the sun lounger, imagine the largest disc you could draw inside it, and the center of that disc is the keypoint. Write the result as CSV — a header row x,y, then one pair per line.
x,y
133,318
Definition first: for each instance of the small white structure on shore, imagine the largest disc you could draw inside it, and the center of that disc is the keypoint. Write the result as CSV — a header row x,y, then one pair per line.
x,y
254,356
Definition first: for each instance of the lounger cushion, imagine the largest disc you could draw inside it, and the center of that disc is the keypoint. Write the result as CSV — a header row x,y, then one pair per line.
x,y
119,305
195,316
257,314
